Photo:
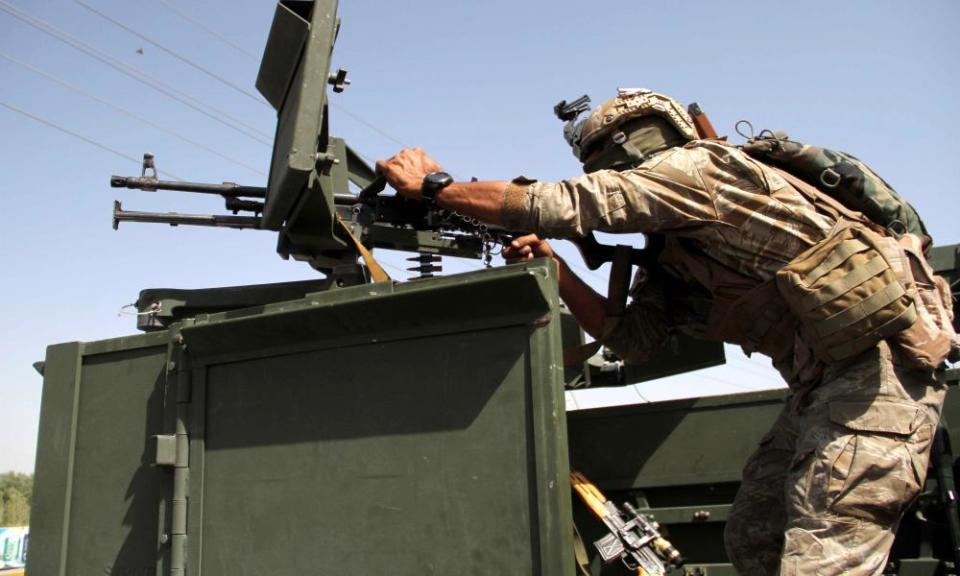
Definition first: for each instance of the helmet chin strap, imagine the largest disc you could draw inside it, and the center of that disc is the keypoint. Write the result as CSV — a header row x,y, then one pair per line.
x,y
633,144
616,157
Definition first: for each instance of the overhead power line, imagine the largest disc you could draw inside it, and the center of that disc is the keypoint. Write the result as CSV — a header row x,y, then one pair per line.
x,y
370,126
180,57
184,98
205,109
213,33
126,112
90,141
209,30
257,98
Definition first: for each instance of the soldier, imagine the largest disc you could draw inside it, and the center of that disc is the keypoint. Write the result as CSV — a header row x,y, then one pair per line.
x,y
825,490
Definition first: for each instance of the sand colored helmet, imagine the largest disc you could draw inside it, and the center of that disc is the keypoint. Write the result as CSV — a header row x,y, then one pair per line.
x,y
604,122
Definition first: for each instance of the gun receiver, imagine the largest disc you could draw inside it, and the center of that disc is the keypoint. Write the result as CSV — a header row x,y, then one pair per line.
x,y
632,538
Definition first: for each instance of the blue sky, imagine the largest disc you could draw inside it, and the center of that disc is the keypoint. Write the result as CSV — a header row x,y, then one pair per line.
x,y
474,83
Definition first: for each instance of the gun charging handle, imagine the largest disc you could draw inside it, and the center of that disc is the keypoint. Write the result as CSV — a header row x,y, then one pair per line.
x,y
368,194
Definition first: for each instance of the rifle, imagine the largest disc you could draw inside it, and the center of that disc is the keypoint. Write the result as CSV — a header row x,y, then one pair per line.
x,y
632,538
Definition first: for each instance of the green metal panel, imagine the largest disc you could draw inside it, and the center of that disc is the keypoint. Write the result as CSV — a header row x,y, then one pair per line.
x,y
675,443
288,34
357,464
109,463
97,498
951,417
408,429
682,354
50,513
298,54
319,454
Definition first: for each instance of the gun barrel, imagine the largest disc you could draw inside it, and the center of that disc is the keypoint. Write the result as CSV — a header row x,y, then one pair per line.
x,y
175,219
151,184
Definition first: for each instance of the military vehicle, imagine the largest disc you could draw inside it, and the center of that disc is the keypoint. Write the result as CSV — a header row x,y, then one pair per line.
x,y
354,425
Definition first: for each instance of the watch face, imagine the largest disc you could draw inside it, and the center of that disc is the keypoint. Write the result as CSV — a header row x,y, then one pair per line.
x,y
433,183
438,179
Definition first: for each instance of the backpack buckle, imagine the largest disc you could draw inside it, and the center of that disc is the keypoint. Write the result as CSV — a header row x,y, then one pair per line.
x,y
830,178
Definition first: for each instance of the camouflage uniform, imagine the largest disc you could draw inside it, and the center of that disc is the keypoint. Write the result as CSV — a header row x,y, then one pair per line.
x,y
824,491
829,482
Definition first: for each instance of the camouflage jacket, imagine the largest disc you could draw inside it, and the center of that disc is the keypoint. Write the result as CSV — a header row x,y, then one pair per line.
x,y
714,204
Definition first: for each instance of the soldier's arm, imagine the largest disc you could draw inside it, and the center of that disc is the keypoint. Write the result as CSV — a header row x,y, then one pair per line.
x,y
668,194
635,336
405,172
586,305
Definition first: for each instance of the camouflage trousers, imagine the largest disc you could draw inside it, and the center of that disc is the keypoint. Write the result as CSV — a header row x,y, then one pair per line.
x,y
826,488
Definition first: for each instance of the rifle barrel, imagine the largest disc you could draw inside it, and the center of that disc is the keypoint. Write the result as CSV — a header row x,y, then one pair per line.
x,y
150,184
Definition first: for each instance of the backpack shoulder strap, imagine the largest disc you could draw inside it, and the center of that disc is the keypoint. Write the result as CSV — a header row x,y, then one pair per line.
x,y
825,201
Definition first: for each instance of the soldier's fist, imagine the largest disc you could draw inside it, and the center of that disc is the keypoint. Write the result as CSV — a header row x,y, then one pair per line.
x,y
405,171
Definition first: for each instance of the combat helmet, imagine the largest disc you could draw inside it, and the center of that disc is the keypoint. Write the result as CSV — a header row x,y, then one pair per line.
x,y
612,122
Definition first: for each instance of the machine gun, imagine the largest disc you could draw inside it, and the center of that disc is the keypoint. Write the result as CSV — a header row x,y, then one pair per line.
x,y
376,220
307,199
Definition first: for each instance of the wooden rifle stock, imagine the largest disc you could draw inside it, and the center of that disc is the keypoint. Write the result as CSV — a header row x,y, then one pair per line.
x,y
700,121
594,253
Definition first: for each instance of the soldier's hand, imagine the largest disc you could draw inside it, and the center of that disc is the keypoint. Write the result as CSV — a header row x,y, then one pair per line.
x,y
405,171
526,248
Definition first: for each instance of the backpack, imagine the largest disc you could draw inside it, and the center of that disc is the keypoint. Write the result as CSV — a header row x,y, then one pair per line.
x,y
844,178
869,280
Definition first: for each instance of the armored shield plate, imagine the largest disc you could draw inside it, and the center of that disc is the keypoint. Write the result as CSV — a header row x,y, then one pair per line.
x,y
410,429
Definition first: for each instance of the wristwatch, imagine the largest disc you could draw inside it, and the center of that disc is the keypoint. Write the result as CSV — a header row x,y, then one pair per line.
x,y
433,183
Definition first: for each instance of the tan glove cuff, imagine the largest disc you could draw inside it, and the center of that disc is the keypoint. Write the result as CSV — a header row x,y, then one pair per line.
x,y
516,204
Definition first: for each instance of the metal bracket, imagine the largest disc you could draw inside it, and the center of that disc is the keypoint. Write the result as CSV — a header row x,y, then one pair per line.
x,y
325,161
338,80
164,448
